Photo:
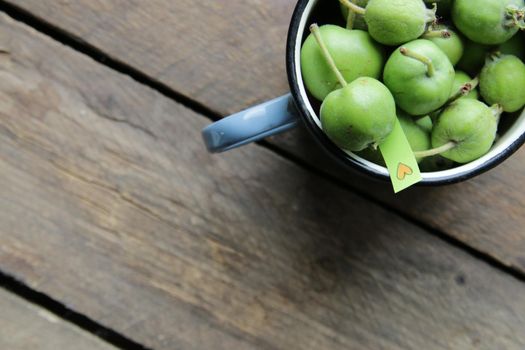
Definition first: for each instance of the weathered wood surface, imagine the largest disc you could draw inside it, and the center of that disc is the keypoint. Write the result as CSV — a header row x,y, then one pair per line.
x,y
24,326
230,54
226,54
110,204
487,212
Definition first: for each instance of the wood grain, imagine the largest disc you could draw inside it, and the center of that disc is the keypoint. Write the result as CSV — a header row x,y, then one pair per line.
x,y
487,212
228,55
24,326
186,38
110,203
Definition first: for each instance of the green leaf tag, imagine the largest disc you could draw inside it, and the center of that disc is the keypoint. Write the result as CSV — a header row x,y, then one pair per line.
x,y
400,159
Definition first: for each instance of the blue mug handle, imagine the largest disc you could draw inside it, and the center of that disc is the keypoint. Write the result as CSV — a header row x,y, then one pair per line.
x,y
255,123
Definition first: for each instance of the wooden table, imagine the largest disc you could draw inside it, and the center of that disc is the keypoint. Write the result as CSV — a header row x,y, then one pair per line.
x,y
118,229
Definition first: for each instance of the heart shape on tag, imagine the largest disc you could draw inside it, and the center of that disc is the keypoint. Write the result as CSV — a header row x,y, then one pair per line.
x,y
403,170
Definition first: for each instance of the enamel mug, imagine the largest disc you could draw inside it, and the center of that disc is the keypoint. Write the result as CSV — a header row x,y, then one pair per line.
x,y
286,112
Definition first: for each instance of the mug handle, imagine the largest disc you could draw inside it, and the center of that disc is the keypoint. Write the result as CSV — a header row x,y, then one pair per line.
x,y
257,122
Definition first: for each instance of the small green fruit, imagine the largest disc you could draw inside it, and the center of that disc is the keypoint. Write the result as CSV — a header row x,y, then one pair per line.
x,y
473,58
515,46
418,138
393,22
470,125
460,79
420,77
359,20
425,123
502,81
372,155
359,115
435,163
448,41
488,22
355,55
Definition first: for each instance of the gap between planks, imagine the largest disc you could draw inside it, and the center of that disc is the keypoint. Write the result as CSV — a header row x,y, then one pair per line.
x,y
27,326
101,57
66,314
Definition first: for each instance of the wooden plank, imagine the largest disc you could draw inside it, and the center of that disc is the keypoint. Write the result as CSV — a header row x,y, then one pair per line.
x,y
164,33
24,326
236,58
110,204
487,212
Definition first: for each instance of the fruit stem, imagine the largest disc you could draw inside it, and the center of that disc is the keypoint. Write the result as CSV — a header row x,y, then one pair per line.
x,y
464,90
314,28
431,14
493,56
350,20
353,7
445,34
435,151
497,110
421,58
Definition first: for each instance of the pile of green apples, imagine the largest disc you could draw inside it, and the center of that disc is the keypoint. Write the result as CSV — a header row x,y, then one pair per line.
x,y
446,69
